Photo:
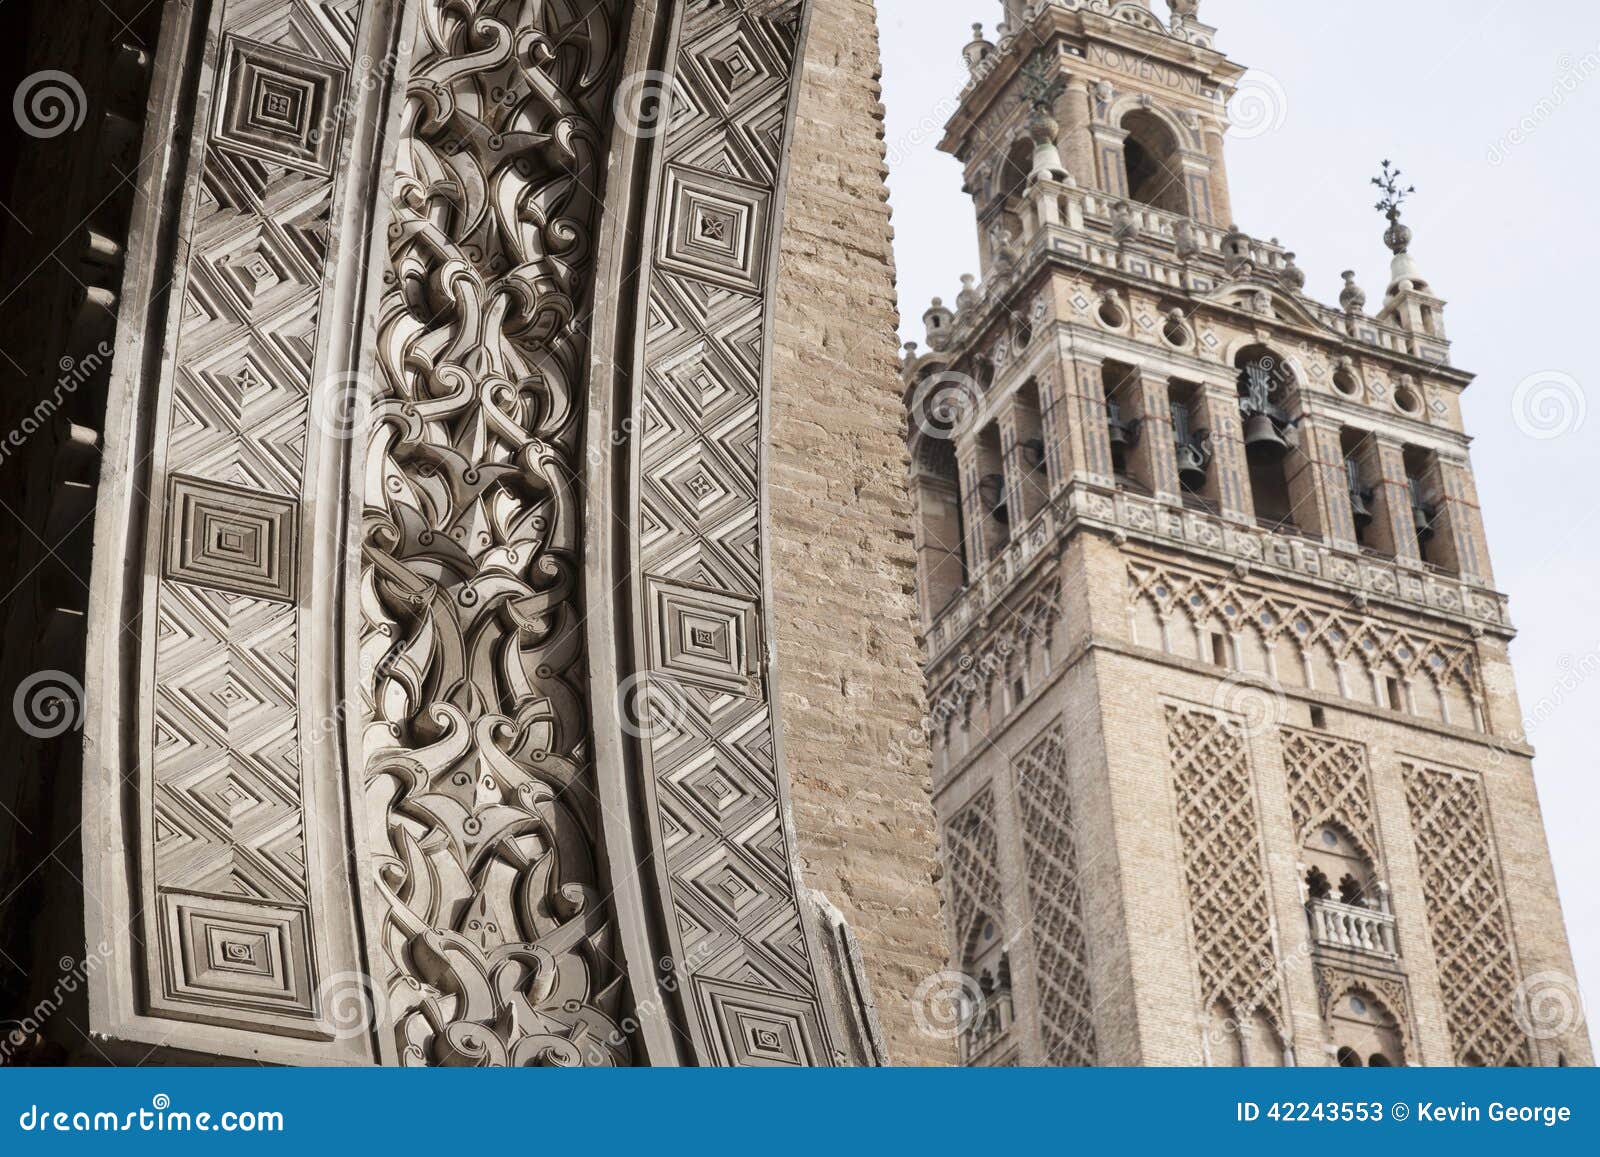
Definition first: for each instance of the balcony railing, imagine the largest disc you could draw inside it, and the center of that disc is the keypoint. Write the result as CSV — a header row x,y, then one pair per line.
x,y
987,1027
1349,926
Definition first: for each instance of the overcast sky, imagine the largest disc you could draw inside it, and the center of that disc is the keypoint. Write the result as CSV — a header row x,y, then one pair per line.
x,y
1493,111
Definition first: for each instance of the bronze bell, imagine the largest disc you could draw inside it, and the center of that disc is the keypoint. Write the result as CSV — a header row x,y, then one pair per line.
x,y
1422,516
1120,432
1262,440
1191,466
1361,506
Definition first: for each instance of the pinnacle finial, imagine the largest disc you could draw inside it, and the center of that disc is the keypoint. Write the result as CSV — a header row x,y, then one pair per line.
x,y
1389,182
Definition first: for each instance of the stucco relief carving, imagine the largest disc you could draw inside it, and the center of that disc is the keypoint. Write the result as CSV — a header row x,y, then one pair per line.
x,y
484,856
497,940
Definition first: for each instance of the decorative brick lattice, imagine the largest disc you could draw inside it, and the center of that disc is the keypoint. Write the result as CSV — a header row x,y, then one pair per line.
x,y
1222,868
1328,783
1066,1005
1365,643
972,858
1467,921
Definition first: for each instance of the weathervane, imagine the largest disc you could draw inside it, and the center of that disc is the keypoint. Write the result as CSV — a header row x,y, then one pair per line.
x,y
1398,236
1039,88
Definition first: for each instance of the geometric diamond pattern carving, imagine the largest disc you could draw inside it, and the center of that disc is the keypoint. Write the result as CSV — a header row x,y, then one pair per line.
x,y
228,894
277,105
704,637
1229,910
244,954
716,229
756,1027
1061,954
716,810
1467,921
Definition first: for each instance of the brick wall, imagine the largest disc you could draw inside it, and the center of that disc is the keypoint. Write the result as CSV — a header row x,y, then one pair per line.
x,y
844,573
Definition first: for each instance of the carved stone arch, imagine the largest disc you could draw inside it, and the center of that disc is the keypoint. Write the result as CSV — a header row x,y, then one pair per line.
x,y
370,746
1131,102
1388,993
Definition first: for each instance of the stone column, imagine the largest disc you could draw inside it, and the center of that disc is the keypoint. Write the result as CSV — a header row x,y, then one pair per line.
x,y
1077,141
1053,422
1227,453
1091,446
1397,500
1108,147
972,513
1157,438
1011,465
1330,483
1462,519
1221,202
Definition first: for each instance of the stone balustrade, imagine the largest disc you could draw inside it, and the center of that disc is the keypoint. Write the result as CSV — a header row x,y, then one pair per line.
x,y
1349,926
986,1026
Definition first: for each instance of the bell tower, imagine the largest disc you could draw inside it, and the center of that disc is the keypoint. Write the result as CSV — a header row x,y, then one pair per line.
x,y
1228,761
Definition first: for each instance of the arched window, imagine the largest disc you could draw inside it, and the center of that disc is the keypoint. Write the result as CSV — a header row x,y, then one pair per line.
x,y
1155,172
941,541
1266,388
1014,172
1364,1027
1028,453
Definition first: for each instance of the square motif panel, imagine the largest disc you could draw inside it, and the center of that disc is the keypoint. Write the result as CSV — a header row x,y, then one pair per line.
x,y
707,638
715,229
761,1027
237,540
279,106
241,953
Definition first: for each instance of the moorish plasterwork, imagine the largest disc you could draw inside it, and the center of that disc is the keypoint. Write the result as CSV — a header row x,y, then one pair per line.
x,y
367,798
496,944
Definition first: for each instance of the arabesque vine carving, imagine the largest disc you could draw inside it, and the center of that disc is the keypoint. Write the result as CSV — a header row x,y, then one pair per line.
x,y
498,940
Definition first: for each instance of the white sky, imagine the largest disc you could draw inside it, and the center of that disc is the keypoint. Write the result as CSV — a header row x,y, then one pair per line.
x,y
1505,232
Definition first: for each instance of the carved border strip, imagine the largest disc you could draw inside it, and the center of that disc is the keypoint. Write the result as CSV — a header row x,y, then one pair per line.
x,y
737,941
216,836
